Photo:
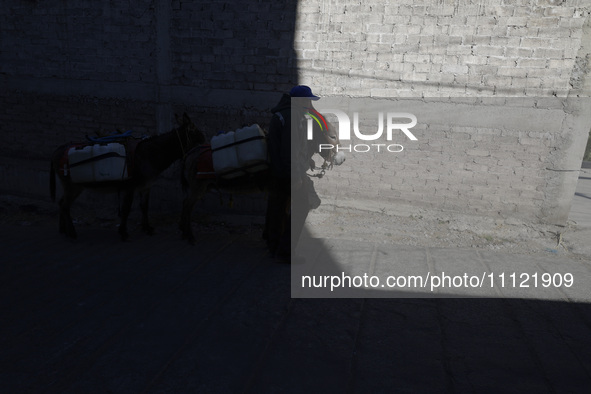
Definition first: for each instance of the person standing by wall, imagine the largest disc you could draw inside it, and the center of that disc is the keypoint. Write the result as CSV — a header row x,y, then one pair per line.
x,y
288,203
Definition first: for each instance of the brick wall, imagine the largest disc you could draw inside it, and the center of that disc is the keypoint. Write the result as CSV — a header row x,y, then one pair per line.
x,y
70,68
442,47
457,49
488,156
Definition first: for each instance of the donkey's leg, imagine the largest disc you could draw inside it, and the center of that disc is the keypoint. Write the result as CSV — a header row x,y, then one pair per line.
x,y
63,225
63,208
71,192
195,194
144,199
125,210
185,223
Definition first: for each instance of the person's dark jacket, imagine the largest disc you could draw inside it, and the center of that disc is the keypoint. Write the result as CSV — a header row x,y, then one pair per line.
x,y
279,138
288,149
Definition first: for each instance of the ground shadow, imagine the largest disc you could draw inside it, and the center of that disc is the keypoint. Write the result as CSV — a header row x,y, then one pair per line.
x,y
156,315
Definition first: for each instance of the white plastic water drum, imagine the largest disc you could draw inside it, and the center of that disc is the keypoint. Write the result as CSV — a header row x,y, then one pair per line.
x,y
251,147
82,172
224,155
98,163
113,166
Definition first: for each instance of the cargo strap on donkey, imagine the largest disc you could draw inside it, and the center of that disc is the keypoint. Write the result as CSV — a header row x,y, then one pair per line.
x,y
97,158
258,137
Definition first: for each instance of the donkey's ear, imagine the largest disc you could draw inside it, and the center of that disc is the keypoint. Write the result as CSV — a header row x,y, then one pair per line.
x,y
186,119
178,119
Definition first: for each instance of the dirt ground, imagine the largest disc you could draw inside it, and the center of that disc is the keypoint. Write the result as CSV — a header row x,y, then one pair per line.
x,y
22,211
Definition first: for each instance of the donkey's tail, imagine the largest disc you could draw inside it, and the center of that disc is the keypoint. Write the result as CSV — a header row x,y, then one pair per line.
x,y
52,181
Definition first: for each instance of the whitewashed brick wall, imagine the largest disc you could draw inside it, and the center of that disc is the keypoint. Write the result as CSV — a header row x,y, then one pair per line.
x,y
431,48
457,49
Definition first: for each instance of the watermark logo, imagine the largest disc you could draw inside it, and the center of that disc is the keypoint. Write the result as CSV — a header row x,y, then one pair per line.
x,y
317,116
395,122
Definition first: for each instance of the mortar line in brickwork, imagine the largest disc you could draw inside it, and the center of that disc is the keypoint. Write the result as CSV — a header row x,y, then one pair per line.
x,y
163,67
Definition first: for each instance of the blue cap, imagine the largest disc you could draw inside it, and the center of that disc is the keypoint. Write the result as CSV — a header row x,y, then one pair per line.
x,y
302,91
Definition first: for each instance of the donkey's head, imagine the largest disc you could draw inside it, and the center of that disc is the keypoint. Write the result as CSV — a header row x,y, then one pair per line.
x,y
325,142
188,133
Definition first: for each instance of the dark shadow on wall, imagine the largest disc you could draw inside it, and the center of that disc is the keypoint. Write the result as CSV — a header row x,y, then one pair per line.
x,y
234,45
232,60
68,69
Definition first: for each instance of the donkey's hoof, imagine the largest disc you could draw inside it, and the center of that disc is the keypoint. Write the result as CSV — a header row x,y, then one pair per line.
x,y
189,238
71,233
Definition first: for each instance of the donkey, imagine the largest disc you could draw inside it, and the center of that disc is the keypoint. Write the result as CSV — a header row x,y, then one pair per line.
x,y
148,159
197,185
